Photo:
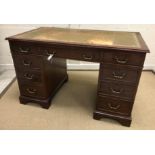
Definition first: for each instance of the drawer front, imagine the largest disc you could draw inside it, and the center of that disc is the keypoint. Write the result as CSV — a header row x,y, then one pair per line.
x,y
61,51
28,62
124,58
86,56
113,105
30,76
33,90
119,73
117,90
77,53
25,48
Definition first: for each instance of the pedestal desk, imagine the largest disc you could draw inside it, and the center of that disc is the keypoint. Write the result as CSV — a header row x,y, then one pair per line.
x,y
40,62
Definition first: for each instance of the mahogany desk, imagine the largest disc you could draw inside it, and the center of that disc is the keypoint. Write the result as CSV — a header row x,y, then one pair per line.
x,y
40,62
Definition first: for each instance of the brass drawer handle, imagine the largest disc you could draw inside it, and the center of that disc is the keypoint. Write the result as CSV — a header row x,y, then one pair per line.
x,y
31,90
121,61
114,107
87,57
24,51
26,63
116,91
28,76
119,76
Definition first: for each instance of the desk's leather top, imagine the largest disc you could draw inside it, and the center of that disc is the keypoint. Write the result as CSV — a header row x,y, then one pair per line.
x,y
126,40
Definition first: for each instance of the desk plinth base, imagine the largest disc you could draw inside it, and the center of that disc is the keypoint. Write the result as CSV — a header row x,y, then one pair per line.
x,y
124,120
44,103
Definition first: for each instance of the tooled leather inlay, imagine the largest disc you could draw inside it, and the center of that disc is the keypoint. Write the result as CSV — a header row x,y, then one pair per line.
x,y
77,36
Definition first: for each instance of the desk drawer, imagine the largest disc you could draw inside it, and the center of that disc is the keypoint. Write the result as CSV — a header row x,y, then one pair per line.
x,y
33,90
30,76
117,90
26,48
90,56
113,105
124,58
119,73
77,53
28,62
61,51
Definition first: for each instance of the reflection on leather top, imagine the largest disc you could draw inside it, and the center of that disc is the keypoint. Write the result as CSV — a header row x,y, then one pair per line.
x,y
84,37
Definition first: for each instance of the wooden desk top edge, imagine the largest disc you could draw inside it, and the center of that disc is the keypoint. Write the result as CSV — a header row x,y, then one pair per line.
x,y
143,49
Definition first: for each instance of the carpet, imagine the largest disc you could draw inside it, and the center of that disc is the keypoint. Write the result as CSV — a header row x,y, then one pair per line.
x,y
72,107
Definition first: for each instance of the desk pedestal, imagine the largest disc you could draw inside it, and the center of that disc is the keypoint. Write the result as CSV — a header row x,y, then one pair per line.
x,y
40,86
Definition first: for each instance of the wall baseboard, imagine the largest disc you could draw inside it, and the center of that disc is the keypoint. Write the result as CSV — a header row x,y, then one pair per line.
x,y
80,67
96,67
149,67
83,66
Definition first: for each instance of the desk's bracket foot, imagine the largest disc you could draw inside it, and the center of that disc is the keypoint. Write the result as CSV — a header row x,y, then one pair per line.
x,y
44,103
23,100
124,120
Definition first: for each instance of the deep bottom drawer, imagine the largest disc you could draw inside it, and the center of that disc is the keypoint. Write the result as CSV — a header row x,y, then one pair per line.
x,y
113,105
33,91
